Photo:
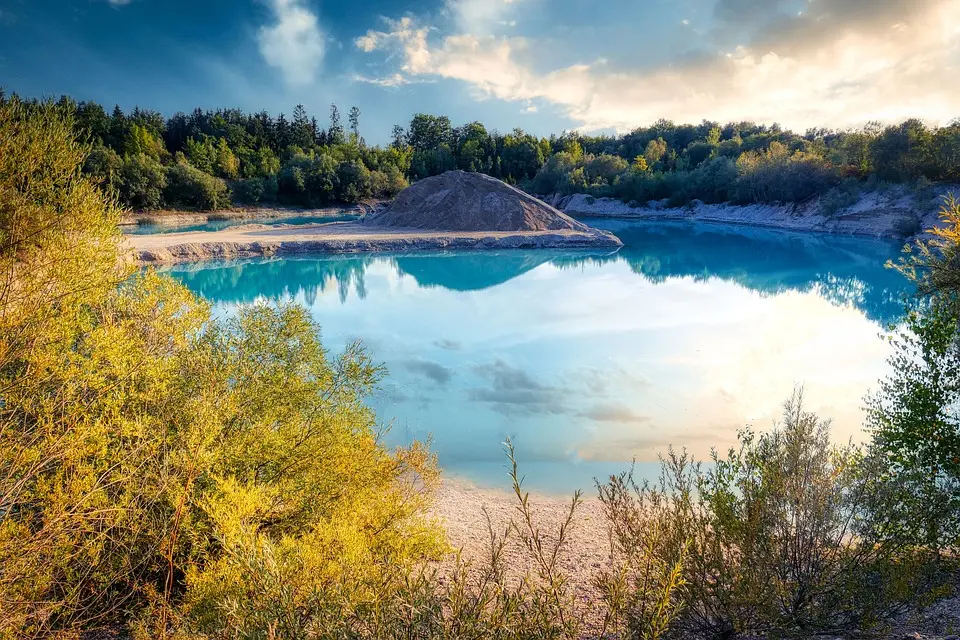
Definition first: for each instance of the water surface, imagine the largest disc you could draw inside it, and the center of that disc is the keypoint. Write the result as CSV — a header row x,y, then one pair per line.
x,y
150,228
589,360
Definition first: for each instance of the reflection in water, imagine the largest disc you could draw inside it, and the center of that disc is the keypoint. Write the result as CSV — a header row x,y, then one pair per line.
x,y
585,363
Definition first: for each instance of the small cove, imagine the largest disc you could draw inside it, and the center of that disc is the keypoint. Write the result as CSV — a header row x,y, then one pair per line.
x,y
158,226
590,359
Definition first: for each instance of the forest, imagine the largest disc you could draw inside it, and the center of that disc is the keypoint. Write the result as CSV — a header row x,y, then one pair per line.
x,y
207,160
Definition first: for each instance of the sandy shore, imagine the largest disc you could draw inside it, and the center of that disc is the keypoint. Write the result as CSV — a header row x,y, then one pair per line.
x,y
257,240
461,507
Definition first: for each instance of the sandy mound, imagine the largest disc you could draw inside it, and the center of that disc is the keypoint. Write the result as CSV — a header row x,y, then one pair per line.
x,y
462,201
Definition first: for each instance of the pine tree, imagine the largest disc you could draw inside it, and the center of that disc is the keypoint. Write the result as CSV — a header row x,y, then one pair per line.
x,y
283,133
354,119
302,135
335,134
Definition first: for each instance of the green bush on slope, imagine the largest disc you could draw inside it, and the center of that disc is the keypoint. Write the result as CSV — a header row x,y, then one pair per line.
x,y
145,448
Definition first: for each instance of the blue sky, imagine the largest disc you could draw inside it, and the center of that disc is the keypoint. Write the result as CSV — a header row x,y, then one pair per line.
x,y
543,65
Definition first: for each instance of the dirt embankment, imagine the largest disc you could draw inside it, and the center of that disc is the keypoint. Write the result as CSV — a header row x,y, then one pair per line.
x,y
895,212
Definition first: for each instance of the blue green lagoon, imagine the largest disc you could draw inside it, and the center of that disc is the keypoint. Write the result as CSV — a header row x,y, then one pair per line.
x,y
147,228
591,360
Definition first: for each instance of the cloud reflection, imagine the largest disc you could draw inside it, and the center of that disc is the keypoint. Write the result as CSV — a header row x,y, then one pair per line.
x,y
589,359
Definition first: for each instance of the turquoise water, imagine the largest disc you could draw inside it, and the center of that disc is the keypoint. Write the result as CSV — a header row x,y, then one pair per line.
x,y
590,360
217,225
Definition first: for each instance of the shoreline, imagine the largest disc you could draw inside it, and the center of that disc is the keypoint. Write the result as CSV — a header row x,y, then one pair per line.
x,y
257,240
896,213
174,218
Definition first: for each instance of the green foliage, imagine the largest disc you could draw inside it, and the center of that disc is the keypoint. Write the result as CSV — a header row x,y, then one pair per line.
x,y
431,162
201,154
840,197
913,416
521,155
934,264
680,163
191,188
643,588
142,181
654,152
249,191
604,169
780,536
104,164
151,456
428,132
903,152
780,176
915,427
142,141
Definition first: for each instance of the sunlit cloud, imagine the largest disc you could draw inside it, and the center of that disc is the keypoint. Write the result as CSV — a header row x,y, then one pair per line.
x,y
835,63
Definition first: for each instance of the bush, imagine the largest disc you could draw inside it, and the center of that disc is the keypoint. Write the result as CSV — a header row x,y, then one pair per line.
x,y
142,182
782,536
604,168
552,176
916,430
191,188
844,195
387,183
354,181
643,588
152,456
780,176
327,589
292,186
104,165
249,191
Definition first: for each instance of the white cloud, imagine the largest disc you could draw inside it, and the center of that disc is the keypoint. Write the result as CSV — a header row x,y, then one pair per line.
x,y
404,38
119,3
395,80
294,44
887,70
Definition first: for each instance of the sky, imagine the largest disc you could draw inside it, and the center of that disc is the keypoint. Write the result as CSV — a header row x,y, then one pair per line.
x,y
541,65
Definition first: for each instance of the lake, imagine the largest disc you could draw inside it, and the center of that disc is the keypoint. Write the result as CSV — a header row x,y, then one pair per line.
x,y
589,360
149,228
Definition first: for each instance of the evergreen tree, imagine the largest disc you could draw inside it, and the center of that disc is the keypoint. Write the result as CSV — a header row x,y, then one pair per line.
x,y
354,119
335,135
283,135
302,133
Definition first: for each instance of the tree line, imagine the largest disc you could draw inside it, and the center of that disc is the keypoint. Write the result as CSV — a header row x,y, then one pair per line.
x,y
211,159
740,162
